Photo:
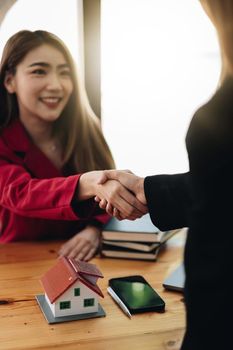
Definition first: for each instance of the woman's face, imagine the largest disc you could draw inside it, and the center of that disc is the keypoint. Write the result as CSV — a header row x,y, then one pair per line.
x,y
42,84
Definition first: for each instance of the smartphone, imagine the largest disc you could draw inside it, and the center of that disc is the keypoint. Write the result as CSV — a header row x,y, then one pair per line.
x,y
137,294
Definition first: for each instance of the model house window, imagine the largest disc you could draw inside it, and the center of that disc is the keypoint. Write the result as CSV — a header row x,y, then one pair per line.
x,y
65,305
76,292
89,302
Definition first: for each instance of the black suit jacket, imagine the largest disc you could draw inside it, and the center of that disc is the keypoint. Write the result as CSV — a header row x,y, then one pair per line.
x,y
202,200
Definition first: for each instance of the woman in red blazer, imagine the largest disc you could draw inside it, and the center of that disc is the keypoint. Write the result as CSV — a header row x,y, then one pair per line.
x,y
49,136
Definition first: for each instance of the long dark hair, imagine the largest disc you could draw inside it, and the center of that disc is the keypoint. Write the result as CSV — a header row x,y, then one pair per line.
x,y
78,128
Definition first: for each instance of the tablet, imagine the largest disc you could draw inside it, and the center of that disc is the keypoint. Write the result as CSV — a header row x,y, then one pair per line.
x,y
175,281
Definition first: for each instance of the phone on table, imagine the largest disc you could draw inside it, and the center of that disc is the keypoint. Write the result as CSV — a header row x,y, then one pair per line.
x,y
137,294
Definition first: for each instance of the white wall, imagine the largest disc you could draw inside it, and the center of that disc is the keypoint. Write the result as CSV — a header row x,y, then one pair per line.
x,y
160,61
61,17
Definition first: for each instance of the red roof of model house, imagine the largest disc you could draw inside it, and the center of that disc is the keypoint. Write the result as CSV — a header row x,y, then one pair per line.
x,y
67,271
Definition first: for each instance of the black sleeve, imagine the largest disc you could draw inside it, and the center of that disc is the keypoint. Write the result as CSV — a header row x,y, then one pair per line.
x,y
88,210
168,200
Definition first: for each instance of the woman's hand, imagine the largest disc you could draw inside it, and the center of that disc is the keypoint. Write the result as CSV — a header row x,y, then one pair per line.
x,y
130,181
113,192
120,201
83,245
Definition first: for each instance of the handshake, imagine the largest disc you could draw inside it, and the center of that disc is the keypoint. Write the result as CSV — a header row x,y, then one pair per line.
x,y
119,192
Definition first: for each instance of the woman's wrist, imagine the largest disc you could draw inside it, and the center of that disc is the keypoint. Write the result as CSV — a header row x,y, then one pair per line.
x,y
87,185
96,230
83,190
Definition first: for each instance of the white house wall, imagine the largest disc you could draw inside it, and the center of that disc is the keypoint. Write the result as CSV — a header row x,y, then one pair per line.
x,y
76,301
52,306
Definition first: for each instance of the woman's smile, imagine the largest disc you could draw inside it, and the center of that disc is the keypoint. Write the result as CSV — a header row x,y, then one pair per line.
x,y
50,102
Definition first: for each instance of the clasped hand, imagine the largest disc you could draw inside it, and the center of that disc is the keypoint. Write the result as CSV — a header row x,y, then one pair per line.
x,y
121,194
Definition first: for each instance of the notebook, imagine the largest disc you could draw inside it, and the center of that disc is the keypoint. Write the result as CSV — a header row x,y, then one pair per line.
x,y
175,281
140,230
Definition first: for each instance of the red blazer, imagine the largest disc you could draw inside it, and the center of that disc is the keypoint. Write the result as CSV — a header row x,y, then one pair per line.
x,y
35,198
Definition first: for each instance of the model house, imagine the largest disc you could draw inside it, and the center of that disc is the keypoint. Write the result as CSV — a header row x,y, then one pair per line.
x,y
70,287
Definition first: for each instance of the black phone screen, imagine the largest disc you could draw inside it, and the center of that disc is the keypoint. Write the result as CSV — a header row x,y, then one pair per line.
x,y
137,294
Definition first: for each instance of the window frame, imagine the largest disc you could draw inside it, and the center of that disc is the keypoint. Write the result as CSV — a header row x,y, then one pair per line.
x,y
77,290
65,305
89,302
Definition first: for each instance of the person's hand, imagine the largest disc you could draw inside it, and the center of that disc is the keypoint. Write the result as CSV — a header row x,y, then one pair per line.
x,y
87,184
113,192
119,201
83,245
129,180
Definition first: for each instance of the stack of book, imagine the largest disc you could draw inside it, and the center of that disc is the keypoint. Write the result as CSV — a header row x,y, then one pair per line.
x,y
138,239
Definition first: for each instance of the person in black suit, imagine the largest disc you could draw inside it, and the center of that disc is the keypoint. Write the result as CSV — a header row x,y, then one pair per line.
x,y
201,199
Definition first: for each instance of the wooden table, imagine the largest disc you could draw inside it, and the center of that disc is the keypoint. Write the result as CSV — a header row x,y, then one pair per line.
x,y
23,326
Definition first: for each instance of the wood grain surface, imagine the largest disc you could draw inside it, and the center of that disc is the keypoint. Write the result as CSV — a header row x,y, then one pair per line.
x,y
23,326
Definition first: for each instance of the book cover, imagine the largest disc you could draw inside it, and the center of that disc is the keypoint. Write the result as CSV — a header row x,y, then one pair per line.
x,y
140,230
141,246
145,247
123,249
124,253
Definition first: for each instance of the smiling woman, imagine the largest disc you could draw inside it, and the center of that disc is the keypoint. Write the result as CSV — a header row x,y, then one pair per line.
x,y
43,86
49,136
